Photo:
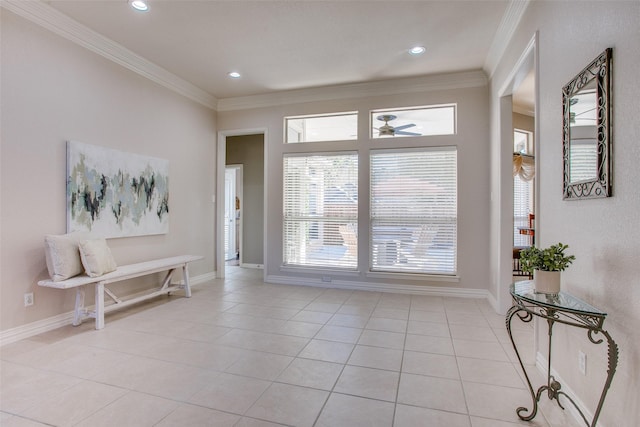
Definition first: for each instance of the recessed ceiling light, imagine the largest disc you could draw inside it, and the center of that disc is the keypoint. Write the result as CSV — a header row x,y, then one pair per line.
x,y
139,5
234,75
417,50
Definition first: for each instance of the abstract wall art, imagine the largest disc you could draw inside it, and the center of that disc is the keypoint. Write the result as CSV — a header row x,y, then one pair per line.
x,y
112,193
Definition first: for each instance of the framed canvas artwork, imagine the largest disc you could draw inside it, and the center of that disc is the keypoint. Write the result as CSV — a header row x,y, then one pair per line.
x,y
112,193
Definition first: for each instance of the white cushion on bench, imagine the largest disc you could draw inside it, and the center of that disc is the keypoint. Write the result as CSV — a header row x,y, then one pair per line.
x,y
96,257
62,255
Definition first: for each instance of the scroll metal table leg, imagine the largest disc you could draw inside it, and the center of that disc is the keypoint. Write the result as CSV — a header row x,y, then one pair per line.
x,y
525,316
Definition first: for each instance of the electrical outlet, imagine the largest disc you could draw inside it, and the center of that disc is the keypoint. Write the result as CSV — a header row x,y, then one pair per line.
x,y
326,279
582,362
28,299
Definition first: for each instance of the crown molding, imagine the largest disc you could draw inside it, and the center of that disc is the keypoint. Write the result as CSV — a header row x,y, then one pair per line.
x,y
428,83
510,20
46,16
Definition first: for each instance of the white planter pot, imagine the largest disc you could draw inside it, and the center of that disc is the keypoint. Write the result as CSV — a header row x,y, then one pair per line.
x,y
546,282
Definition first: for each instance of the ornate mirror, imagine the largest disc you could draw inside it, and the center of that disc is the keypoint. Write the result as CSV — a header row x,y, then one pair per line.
x,y
587,131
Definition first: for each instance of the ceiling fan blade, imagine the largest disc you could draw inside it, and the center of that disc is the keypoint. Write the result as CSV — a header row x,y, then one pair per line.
x,y
410,125
402,132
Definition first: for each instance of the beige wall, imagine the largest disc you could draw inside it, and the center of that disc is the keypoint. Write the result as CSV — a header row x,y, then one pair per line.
x,y
601,233
473,184
53,91
248,150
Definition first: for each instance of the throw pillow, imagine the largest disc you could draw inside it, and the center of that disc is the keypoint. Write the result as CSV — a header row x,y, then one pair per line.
x,y
96,257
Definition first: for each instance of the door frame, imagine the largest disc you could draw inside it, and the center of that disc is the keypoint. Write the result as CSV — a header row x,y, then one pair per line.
x,y
529,60
220,195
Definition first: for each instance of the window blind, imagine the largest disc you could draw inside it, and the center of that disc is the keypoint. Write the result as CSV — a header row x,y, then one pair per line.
x,y
321,210
522,207
414,210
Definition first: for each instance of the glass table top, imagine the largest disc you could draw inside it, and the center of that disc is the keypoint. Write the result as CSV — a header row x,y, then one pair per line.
x,y
524,290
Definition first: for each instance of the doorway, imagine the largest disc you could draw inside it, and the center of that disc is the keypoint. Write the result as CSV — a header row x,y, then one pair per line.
x,y
522,81
242,216
232,215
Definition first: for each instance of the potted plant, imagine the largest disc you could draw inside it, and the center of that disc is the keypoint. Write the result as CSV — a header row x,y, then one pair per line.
x,y
546,265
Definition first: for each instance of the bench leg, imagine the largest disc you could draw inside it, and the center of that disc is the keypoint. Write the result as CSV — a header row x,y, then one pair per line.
x,y
99,305
79,310
185,276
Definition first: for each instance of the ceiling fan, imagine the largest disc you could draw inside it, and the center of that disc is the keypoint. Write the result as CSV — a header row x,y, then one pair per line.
x,y
389,130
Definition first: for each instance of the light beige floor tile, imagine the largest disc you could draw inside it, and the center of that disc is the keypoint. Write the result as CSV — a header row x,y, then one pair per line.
x,y
435,365
289,404
376,357
22,387
265,366
431,392
427,303
16,421
299,329
391,313
382,339
131,410
433,329
352,411
339,333
490,401
473,333
203,332
463,318
157,377
368,382
323,307
429,344
489,372
480,350
389,325
350,320
389,300
271,343
486,422
329,351
252,422
357,309
428,316
62,408
200,354
412,416
311,373
230,393
190,415
312,317
71,359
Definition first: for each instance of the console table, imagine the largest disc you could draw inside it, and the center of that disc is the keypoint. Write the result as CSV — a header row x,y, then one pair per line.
x,y
566,309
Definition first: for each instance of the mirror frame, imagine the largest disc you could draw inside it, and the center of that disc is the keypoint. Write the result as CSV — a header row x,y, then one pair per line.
x,y
600,70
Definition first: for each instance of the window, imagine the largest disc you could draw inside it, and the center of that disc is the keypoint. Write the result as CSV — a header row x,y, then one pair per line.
x,y
329,127
522,190
321,210
416,121
414,210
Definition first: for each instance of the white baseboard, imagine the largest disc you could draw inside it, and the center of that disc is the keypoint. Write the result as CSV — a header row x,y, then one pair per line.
x,y
541,364
40,326
442,291
256,266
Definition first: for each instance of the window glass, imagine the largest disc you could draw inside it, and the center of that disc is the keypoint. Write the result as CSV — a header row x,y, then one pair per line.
x,y
414,210
321,210
330,127
416,121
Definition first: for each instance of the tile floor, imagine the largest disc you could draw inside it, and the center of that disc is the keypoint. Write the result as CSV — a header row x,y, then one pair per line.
x,y
247,354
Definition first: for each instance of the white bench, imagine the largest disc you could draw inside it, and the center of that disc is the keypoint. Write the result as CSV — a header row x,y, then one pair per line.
x,y
123,272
